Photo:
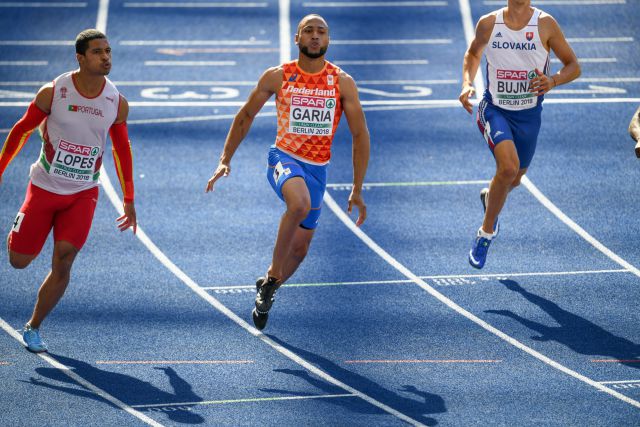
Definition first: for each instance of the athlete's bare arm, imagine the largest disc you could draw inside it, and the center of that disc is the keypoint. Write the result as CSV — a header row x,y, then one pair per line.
x,y
361,142
634,130
553,39
269,83
473,57
123,111
44,97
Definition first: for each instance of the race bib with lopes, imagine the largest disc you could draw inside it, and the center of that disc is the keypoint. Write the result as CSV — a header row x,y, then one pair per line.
x,y
75,162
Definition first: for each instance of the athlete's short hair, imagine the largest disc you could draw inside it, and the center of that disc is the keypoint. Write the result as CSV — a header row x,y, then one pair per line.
x,y
83,39
310,16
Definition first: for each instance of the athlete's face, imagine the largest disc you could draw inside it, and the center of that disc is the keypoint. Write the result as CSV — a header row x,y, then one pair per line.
x,y
313,37
97,58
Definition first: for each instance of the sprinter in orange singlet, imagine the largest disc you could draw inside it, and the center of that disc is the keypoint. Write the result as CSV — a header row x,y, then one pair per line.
x,y
311,95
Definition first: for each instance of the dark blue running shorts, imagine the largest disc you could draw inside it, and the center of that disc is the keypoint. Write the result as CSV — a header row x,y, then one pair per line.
x,y
521,127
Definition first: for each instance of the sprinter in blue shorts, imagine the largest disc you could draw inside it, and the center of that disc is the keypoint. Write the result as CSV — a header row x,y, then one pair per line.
x,y
311,95
517,39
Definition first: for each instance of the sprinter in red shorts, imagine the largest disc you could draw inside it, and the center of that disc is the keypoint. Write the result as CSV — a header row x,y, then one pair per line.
x,y
74,114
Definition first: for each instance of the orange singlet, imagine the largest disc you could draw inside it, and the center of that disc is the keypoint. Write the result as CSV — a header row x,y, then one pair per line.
x,y
309,111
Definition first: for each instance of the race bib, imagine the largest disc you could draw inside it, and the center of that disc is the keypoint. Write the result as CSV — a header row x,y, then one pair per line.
x,y
310,115
513,88
74,162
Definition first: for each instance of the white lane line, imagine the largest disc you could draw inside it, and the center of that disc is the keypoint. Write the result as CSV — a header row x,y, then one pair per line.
x,y
14,94
190,103
434,277
590,100
408,82
527,274
592,89
330,202
375,4
620,382
192,119
173,362
284,25
269,104
191,284
194,42
599,39
408,102
629,387
610,79
360,82
562,2
218,4
312,285
189,63
247,400
391,42
400,104
434,361
405,107
184,83
159,104
24,63
242,50
103,15
383,62
78,379
36,43
347,186
469,35
589,60
575,227
54,4
273,113
253,83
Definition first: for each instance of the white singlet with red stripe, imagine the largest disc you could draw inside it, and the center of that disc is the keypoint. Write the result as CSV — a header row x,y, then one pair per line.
x,y
512,58
74,136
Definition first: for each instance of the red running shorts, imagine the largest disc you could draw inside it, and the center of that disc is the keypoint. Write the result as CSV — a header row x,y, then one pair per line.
x,y
69,215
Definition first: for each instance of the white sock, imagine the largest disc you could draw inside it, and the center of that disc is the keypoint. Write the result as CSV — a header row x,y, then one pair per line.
x,y
481,233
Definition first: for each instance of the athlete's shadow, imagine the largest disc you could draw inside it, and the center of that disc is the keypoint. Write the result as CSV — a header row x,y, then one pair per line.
x,y
577,333
127,389
428,403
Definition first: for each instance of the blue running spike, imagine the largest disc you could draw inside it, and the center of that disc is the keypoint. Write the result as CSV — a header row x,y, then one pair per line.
x,y
31,338
478,252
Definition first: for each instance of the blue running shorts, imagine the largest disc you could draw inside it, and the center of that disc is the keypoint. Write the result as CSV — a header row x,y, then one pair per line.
x,y
521,127
283,167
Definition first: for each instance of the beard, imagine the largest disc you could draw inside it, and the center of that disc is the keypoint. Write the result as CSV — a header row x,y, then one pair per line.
x,y
305,51
101,69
